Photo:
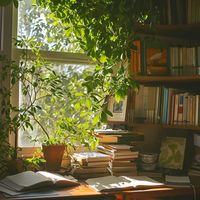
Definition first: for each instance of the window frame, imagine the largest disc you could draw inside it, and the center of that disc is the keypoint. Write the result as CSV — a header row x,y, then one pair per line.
x,y
57,57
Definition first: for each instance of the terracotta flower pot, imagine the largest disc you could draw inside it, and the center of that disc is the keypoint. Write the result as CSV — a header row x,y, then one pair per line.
x,y
53,155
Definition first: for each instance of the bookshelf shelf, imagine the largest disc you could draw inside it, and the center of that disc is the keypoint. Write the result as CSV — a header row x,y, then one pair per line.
x,y
147,79
188,31
149,125
190,83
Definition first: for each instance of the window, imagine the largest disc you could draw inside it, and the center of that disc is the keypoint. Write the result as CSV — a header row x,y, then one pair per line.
x,y
65,56
52,112
34,21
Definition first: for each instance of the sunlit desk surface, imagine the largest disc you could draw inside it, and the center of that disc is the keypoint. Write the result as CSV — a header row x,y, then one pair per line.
x,y
84,192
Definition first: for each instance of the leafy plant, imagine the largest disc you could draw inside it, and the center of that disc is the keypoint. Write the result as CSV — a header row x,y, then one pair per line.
x,y
35,76
36,162
53,102
105,31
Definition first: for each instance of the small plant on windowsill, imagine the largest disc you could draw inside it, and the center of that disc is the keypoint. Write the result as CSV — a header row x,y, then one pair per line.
x,y
35,163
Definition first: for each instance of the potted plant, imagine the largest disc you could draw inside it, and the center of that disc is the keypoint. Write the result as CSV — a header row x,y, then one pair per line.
x,y
73,115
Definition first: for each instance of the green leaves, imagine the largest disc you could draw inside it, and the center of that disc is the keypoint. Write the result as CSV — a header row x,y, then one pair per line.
x,y
5,2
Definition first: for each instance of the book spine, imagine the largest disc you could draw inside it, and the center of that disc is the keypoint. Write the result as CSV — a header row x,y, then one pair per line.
x,y
196,110
180,109
175,121
143,58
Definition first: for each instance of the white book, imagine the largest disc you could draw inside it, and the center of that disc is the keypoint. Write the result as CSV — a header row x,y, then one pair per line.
x,y
112,183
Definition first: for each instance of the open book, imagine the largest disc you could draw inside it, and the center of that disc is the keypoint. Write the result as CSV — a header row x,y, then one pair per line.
x,y
112,183
29,180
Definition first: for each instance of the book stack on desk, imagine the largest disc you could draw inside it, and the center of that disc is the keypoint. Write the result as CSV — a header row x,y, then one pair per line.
x,y
119,144
90,164
123,158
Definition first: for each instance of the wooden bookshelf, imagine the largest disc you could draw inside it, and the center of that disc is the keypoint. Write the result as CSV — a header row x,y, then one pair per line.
x,y
187,31
151,125
190,83
170,89
160,79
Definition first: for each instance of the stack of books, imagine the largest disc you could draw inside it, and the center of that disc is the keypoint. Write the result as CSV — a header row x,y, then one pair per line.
x,y
119,144
123,159
90,164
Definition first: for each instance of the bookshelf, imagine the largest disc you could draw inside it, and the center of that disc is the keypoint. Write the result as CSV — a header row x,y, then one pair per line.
x,y
181,37
172,32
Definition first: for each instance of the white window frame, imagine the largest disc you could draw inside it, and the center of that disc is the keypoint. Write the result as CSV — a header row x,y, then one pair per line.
x,y
57,57
6,39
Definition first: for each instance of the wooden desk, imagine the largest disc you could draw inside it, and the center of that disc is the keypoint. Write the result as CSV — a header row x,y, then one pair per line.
x,y
84,192
159,193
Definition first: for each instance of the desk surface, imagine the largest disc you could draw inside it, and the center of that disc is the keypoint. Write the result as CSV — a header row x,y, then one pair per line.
x,y
162,192
78,192
84,192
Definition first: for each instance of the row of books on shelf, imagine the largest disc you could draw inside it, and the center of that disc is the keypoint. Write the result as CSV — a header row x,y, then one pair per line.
x,y
184,60
180,12
165,105
154,57
193,11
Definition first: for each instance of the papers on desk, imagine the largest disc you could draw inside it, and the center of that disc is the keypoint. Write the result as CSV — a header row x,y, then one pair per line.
x,y
113,183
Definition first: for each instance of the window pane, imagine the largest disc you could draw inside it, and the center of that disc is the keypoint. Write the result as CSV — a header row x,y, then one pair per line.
x,y
34,21
54,108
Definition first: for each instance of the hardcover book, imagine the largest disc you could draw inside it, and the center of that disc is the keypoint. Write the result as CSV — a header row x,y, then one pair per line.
x,y
120,138
91,156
